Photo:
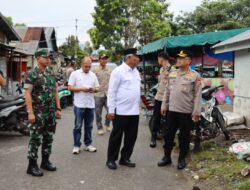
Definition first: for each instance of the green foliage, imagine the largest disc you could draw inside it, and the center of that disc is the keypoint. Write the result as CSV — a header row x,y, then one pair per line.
x,y
119,24
71,47
20,24
9,20
245,185
214,15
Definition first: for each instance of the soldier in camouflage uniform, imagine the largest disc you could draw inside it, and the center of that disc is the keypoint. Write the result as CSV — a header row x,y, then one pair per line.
x,y
182,102
164,62
43,106
103,74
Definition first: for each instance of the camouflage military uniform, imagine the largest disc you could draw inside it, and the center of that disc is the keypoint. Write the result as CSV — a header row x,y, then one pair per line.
x,y
43,85
103,76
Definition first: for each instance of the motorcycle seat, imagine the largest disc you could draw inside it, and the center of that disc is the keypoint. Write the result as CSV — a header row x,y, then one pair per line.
x,y
61,88
9,104
8,99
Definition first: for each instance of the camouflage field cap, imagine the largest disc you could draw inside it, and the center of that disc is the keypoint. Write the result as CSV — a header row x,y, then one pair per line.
x,y
43,52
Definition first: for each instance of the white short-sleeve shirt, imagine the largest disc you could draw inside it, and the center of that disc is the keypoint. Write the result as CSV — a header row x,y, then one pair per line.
x,y
79,78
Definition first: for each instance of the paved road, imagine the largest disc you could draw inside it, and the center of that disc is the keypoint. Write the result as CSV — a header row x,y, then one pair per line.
x,y
86,171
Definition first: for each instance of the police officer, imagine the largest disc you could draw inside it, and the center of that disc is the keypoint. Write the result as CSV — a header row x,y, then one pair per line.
x,y
182,103
43,106
164,62
103,74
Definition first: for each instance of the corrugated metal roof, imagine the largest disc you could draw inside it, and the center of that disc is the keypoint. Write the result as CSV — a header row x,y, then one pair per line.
x,y
21,31
34,33
28,48
236,39
8,30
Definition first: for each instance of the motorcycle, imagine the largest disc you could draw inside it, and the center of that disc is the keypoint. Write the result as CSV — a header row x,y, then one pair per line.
x,y
65,96
13,114
211,123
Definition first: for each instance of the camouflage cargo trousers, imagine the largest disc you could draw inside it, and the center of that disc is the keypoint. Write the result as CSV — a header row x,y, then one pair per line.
x,y
41,132
100,102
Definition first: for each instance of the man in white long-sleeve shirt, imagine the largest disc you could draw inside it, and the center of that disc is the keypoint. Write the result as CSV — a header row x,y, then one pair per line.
x,y
124,109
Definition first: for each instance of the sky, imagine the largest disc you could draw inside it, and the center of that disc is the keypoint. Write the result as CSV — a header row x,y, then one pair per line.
x,y
62,14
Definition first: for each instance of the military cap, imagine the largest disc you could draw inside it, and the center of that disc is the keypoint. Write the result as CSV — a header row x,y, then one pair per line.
x,y
43,52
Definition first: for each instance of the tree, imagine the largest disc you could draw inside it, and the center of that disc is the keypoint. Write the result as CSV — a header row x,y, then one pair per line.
x,y
119,24
20,24
72,47
9,20
214,15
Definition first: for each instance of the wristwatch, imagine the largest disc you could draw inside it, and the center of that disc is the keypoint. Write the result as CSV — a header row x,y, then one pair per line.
x,y
58,109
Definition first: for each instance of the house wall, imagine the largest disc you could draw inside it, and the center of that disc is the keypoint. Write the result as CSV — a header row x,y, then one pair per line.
x,y
242,84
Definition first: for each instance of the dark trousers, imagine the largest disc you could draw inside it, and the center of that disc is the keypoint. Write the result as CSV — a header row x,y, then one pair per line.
x,y
157,118
184,123
127,125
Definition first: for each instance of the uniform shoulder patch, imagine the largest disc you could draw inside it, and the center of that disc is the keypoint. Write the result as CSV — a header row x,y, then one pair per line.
x,y
173,74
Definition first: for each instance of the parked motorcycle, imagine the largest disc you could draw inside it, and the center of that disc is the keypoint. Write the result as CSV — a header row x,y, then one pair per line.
x,y
65,96
13,114
211,123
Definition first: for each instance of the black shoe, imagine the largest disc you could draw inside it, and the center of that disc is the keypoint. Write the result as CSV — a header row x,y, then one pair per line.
x,y
33,169
127,163
166,160
47,165
153,142
181,164
111,165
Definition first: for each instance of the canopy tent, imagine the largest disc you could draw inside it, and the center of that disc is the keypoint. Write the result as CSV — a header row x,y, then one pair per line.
x,y
190,40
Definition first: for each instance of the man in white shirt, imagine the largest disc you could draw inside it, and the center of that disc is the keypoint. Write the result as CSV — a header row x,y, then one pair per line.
x,y
84,84
124,109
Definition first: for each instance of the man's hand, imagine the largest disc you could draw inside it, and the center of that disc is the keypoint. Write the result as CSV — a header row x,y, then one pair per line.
x,y
195,118
31,118
58,114
163,112
92,90
84,89
111,116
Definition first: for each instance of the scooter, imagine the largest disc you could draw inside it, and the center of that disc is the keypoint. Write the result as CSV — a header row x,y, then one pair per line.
x,y
65,96
212,122
13,115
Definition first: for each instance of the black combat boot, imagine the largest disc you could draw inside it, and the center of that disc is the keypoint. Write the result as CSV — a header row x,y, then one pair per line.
x,y
33,169
166,160
46,164
181,160
153,141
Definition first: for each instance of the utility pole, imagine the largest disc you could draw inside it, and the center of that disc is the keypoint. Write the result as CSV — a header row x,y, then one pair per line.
x,y
76,44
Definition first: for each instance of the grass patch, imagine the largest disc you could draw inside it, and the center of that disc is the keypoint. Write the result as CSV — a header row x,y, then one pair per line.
x,y
245,185
215,161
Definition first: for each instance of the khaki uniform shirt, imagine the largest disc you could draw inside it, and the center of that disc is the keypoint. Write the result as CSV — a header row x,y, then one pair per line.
x,y
183,92
103,76
162,80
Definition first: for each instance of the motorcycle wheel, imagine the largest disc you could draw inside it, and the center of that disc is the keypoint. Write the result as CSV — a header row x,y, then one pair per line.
x,y
63,102
23,127
221,124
